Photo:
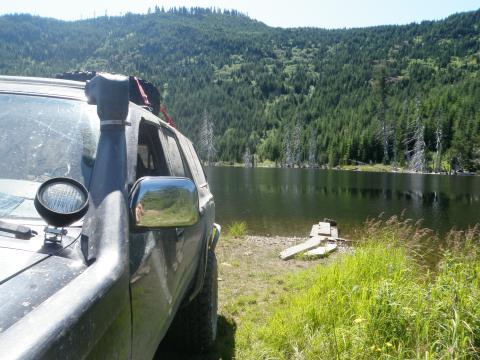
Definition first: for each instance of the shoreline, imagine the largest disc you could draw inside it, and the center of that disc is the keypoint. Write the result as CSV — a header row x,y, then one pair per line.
x,y
375,168
357,285
251,273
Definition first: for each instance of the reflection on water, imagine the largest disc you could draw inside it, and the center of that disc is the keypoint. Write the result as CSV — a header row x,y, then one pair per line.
x,y
289,201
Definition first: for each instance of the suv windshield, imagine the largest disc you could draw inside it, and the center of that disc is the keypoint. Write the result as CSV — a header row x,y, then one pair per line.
x,y
41,138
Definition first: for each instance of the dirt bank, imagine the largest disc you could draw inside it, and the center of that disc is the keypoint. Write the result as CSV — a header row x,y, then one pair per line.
x,y
251,274
250,266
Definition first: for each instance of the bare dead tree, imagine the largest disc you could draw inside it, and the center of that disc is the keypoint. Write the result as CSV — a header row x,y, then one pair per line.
x,y
207,139
408,138
287,148
292,141
247,158
395,142
312,150
417,159
296,144
395,130
437,166
379,84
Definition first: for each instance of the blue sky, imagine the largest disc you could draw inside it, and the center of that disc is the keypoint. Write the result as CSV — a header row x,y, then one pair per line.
x,y
319,13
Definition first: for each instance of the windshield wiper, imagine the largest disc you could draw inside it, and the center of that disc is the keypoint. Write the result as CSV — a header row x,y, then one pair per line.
x,y
20,231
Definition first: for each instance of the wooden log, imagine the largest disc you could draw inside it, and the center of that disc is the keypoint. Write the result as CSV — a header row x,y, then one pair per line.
x,y
334,232
321,251
297,249
342,239
324,228
330,221
314,231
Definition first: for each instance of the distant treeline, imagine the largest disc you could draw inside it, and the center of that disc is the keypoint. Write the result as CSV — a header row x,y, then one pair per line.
x,y
406,95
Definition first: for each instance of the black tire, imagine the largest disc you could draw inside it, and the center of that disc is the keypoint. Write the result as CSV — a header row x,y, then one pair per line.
x,y
194,328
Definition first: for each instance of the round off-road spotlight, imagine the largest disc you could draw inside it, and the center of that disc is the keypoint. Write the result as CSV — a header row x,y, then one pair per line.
x,y
61,201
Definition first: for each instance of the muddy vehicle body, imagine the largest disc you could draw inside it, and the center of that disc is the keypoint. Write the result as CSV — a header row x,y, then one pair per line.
x,y
107,232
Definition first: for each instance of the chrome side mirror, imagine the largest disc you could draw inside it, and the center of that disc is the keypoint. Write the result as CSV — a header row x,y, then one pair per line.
x,y
161,201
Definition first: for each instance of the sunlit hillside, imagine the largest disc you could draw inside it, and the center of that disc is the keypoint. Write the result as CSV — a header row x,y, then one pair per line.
x,y
288,95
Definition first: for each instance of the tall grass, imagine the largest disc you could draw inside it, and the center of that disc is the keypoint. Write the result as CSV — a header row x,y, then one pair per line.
x,y
237,229
376,302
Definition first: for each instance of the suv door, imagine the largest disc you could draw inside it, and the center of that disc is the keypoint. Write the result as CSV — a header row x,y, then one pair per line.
x,y
191,238
207,205
156,258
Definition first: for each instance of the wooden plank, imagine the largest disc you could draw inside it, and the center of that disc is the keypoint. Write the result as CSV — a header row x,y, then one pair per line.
x,y
322,251
334,231
297,249
314,231
324,228
342,239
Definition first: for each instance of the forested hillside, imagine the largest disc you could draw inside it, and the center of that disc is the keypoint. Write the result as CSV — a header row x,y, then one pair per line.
x,y
407,95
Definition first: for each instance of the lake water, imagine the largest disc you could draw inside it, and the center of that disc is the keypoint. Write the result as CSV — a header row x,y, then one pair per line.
x,y
289,201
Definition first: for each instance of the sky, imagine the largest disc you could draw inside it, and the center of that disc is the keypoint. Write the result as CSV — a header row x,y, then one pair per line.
x,y
279,13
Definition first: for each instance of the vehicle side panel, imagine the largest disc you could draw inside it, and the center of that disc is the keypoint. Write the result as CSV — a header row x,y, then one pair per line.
x,y
206,209
163,266
156,260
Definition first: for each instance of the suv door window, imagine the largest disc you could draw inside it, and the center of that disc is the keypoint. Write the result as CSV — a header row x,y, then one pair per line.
x,y
150,156
174,157
193,161
199,173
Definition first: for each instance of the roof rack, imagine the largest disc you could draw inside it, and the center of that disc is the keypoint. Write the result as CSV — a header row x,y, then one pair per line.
x,y
142,92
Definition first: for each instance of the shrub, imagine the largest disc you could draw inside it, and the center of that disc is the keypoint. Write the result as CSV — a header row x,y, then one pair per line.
x,y
237,229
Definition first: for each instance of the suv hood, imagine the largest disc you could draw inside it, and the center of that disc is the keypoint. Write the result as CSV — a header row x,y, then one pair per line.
x,y
31,271
17,255
14,261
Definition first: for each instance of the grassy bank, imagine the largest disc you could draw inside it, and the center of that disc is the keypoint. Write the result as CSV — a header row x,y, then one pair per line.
x,y
360,168
375,302
371,168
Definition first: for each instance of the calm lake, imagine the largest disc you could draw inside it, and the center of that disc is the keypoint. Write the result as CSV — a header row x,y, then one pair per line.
x,y
289,201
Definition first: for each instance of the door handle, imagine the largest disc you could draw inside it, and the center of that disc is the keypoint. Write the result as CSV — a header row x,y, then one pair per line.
x,y
180,233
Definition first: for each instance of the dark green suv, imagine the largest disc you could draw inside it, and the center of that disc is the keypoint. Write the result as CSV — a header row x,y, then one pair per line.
x,y
107,232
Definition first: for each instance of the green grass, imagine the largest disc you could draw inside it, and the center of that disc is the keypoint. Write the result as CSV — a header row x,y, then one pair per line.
x,y
237,229
370,168
377,302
